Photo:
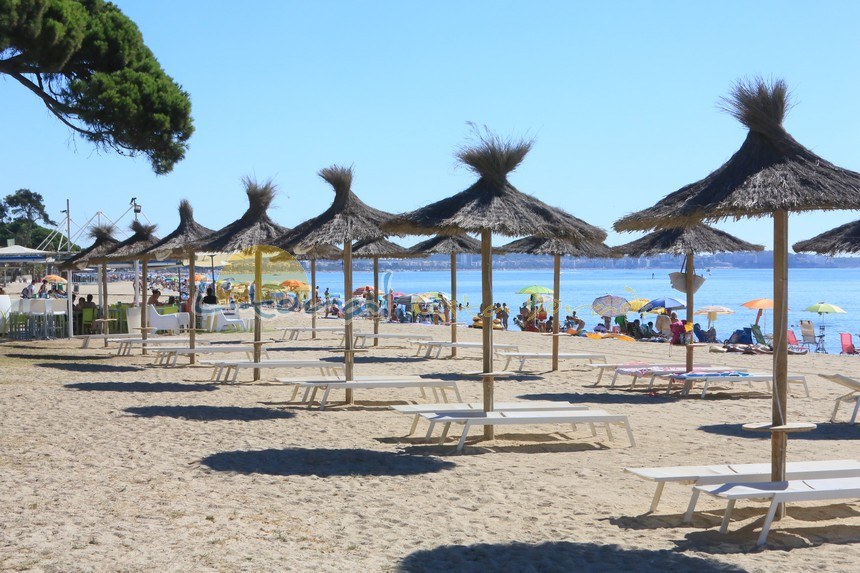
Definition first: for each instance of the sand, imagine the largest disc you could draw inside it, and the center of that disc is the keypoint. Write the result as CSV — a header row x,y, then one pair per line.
x,y
112,464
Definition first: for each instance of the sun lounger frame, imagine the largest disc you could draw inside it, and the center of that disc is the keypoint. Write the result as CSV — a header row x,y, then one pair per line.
x,y
429,345
706,379
438,387
524,356
227,371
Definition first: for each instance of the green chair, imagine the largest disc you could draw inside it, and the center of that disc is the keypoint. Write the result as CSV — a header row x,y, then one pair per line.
x,y
88,315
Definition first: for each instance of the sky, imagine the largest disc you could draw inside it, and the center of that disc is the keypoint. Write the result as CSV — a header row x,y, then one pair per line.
x,y
621,99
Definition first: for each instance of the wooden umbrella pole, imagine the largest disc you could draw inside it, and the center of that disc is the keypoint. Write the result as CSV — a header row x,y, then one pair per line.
x,y
487,321
192,305
313,297
348,310
105,306
688,279
375,309
258,307
453,303
779,440
143,306
556,302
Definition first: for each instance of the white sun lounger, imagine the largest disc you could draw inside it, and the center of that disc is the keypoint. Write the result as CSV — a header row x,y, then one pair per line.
x,y
523,356
361,338
429,345
87,338
169,355
852,396
296,381
614,366
453,408
228,370
706,379
717,474
652,372
295,331
421,383
126,344
520,418
781,492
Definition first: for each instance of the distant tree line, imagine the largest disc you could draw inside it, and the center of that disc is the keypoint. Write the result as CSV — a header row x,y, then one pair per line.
x,y
20,215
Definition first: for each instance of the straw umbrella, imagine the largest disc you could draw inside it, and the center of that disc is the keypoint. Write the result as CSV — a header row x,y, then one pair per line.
x,y
142,237
843,239
770,175
103,242
687,241
493,205
180,244
557,247
451,245
254,231
347,220
378,249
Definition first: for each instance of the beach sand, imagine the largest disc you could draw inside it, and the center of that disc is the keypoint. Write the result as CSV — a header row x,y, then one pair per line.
x,y
112,464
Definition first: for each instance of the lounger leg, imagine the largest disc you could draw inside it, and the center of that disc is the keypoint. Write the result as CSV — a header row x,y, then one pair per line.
x,y
466,427
429,431
609,432
295,392
633,382
235,378
593,429
508,363
444,436
459,399
856,409
414,425
444,395
86,343
599,375
836,408
691,507
614,378
704,388
768,521
724,526
657,495
629,433
324,399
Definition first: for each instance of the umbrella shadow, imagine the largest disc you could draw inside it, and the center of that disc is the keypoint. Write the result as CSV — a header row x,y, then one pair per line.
x,y
140,387
552,557
780,538
826,431
325,462
73,357
626,398
81,367
209,413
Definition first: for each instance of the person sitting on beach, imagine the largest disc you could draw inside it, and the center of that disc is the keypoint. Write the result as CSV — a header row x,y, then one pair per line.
x,y
43,290
701,335
634,329
210,297
663,324
153,298
648,331
600,327
678,329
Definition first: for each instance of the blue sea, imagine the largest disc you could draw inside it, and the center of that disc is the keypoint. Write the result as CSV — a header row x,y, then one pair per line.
x,y
724,287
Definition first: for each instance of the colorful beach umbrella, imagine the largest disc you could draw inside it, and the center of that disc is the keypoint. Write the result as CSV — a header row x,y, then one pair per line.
x,y
54,279
535,289
825,308
610,305
667,303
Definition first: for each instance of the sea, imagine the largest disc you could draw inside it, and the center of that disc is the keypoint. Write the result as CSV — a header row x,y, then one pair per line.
x,y
579,288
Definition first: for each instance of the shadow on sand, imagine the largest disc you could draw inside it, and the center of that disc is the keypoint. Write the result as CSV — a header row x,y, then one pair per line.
x,y
551,557
78,357
826,431
79,367
325,462
626,398
140,387
207,413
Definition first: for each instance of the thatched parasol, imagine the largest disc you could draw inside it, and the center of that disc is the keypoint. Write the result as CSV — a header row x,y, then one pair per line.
x,y
378,249
103,243
771,174
843,239
493,205
687,241
347,220
451,245
254,231
556,247
181,244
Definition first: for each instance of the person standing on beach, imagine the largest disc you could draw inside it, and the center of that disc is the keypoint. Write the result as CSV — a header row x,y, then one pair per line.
x,y
504,314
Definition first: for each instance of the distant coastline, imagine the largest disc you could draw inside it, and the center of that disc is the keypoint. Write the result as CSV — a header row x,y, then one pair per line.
x,y
762,260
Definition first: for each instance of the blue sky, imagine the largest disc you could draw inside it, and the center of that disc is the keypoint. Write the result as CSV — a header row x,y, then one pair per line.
x,y
621,98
